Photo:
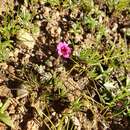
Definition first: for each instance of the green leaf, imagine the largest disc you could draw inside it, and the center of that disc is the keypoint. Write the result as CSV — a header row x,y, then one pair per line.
x,y
123,4
5,106
128,31
128,80
128,112
6,119
90,57
91,22
87,4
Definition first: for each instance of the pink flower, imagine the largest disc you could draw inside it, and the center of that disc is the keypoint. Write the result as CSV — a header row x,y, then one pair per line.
x,y
63,49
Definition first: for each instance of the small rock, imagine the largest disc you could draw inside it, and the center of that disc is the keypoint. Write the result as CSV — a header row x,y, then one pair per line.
x,y
5,91
46,76
76,122
49,63
11,69
2,126
26,39
31,125
41,69
3,66
25,60
22,91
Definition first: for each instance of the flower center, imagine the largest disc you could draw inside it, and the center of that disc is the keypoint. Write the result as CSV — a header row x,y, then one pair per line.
x,y
64,50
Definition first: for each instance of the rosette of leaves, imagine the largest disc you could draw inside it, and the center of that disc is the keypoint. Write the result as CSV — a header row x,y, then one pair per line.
x,y
92,59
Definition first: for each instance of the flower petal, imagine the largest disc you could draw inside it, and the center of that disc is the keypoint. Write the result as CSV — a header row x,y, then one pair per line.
x,y
63,49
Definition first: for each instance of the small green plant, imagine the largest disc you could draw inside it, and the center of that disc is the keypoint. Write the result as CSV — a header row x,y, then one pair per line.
x,y
3,116
92,59
5,49
91,23
122,5
88,5
120,103
9,29
76,28
118,5
53,2
25,17
89,57
77,104
102,31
